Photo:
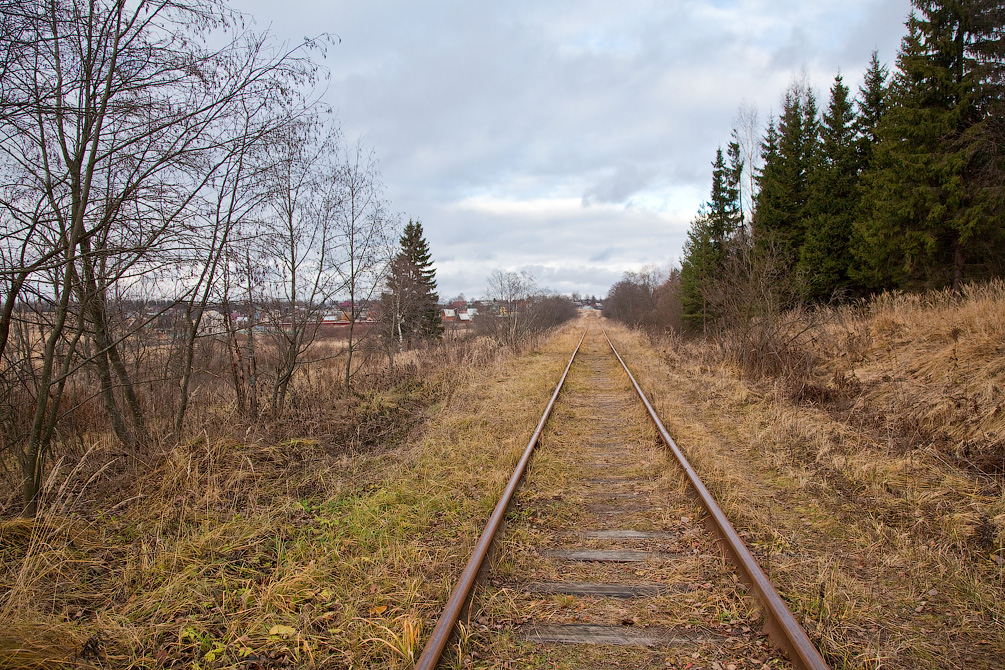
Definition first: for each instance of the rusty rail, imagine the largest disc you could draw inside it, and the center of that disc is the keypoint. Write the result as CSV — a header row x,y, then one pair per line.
x,y
458,597
781,627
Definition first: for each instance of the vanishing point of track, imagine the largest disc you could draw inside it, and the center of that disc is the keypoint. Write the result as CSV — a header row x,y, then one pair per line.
x,y
604,580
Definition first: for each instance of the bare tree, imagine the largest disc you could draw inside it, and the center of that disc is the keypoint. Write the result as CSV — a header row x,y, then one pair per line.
x,y
365,233
763,323
298,243
239,289
113,123
747,134
392,301
511,293
231,198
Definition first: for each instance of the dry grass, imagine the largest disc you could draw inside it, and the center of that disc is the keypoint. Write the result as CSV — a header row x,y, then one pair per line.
x,y
872,499
330,549
871,488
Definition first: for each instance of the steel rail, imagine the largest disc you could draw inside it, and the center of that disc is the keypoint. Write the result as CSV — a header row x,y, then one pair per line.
x,y
458,597
781,627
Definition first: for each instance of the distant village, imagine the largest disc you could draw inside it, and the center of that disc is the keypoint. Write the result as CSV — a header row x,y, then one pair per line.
x,y
455,314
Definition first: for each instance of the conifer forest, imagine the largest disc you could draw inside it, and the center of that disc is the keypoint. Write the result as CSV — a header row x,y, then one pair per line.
x,y
896,186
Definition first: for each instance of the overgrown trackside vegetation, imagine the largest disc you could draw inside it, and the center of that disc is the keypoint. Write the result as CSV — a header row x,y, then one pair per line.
x,y
928,367
866,484
330,546
867,471
166,176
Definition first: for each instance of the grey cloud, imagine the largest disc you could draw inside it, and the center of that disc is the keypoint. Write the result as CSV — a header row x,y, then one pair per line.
x,y
617,188
606,254
793,53
593,102
570,238
584,279
872,31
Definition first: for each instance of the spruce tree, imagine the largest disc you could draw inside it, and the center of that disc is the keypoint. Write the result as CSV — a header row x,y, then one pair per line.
x,y
718,221
832,201
409,303
698,265
780,216
932,211
872,102
871,105
770,199
983,143
724,204
891,240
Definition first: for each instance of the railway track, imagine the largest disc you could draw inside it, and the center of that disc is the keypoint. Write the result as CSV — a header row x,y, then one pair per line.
x,y
607,561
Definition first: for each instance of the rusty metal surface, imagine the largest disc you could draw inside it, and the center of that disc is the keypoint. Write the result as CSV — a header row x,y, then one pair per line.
x,y
781,627
458,597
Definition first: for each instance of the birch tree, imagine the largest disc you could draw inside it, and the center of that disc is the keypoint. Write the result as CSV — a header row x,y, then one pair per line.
x,y
298,244
365,232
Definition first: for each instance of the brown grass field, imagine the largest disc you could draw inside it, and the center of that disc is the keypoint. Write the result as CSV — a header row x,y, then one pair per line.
x,y
870,485
871,489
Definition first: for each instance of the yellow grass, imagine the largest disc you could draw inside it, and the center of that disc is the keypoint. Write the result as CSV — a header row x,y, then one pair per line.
x,y
882,528
873,502
299,552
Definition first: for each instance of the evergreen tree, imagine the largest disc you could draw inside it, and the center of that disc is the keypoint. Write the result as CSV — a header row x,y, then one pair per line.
x,y
409,303
718,221
833,196
889,239
724,210
770,199
780,215
983,143
697,267
934,191
871,104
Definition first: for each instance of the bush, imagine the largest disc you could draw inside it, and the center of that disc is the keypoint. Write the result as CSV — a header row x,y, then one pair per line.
x,y
648,299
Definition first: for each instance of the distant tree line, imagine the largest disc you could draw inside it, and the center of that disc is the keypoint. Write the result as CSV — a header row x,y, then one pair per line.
x,y
648,299
900,187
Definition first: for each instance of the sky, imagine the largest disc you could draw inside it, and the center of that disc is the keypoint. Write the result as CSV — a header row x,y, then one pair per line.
x,y
571,139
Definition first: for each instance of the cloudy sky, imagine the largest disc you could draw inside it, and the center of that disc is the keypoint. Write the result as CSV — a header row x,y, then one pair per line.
x,y
568,138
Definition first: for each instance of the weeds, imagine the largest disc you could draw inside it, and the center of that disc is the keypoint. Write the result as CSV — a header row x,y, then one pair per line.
x,y
883,475
327,540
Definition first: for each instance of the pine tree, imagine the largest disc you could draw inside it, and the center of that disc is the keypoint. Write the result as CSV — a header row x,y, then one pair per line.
x,y
724,204
697,267
983,143
409,303
871,103
825,256
891,239
770,200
